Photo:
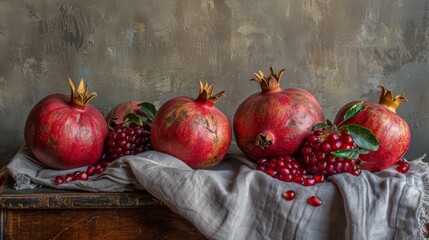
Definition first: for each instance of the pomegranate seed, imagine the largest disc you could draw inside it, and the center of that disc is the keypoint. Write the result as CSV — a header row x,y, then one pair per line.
x,y
76,173
347,139
314,201
271,171
355,171
90,170
403,167
287,177
298,178
59,180
336,145
261,160
69,178
325,146
99,170
104,164
309,182
306,150
332,137
261,168
312,138
319,178
289,195
82,176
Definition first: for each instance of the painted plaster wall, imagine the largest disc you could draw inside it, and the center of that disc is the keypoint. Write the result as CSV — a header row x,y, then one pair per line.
x,y
154,50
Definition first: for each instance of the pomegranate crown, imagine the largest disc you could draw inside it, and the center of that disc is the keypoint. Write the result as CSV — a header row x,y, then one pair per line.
x,y
387,99
80,96
271,82
206,93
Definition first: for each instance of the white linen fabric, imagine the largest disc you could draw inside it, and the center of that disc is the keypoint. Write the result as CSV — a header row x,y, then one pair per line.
x,y
234,201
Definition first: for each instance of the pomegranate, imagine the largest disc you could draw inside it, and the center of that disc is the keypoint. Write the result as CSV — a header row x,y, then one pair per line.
x,y
66,132
116,114
129,129
389,128
193,130
275,122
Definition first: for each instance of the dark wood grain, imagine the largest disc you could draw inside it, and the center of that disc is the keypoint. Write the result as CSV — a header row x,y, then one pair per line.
x,y
112,223
46,213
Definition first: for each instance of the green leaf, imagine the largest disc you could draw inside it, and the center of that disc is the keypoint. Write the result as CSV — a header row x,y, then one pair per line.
x,y
353,111
148,108
133,118
363,137
319,126
146,120
329,122
346,153
363,151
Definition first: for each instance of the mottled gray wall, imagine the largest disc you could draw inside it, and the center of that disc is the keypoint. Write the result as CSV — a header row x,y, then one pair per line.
x,y
154,50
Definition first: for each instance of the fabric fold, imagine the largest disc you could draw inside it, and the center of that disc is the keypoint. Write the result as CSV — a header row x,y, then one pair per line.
x,y
234,201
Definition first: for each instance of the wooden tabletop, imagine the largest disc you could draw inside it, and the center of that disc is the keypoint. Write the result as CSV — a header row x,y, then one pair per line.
x,y
49,198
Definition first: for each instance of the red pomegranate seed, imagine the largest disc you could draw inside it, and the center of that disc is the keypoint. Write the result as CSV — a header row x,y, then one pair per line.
x,y
69,178
403,167
298,178
314,201
355,171
104,164
90,170
99,170
309,182
319,178
59,180
82,176
289,195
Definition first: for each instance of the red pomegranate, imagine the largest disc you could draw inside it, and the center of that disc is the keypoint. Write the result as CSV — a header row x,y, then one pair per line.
x,y
193,130
116,114
66,132
275,121
389,128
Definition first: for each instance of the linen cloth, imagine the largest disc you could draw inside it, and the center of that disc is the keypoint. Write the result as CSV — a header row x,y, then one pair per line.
x,y
234,201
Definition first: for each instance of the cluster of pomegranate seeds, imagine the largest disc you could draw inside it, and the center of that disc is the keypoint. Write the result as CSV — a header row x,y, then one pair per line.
x,y
403,166
317,154
82,176
127,140
288,169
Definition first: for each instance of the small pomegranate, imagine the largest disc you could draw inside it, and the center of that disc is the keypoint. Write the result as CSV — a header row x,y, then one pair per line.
x,y
193,130
130,135
66,132
116,114
275,122
389,128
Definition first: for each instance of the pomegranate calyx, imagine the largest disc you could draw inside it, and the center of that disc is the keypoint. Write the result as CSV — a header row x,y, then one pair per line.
x,y
270,83
80,96
264,140
206,94
390,102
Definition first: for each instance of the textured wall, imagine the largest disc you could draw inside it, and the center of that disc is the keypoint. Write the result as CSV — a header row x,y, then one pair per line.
x,y
154,50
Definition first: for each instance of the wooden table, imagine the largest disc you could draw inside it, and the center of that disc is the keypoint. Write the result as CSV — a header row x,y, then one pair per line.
x,y
45,213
